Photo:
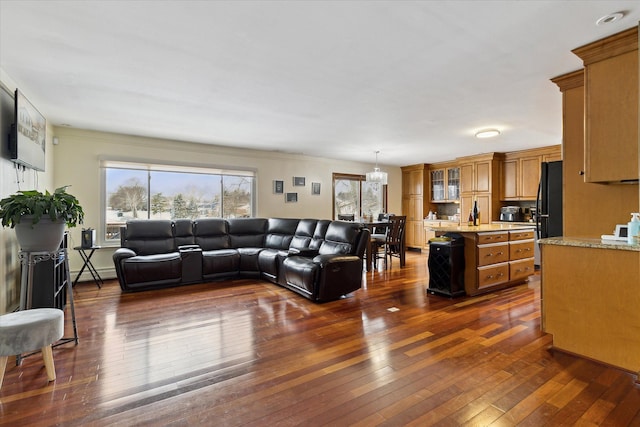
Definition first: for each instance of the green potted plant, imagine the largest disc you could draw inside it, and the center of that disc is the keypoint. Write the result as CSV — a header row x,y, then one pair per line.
x,y
40,218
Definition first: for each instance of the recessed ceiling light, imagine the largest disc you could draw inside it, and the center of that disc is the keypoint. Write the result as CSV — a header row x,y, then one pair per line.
x,y
487,133
610,19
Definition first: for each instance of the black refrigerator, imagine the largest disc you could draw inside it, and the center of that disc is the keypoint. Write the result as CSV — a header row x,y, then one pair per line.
x,y
549,203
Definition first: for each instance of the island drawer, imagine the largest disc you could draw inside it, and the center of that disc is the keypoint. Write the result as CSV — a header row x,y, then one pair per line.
x,y
521,234
521,269
484,238
521,249
493,275
493,254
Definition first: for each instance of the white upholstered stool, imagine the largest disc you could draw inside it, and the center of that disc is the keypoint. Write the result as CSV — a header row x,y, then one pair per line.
x,y
30,330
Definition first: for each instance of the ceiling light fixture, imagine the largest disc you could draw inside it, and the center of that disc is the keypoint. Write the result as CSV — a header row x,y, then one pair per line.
x,y
487,133
377,175
610,19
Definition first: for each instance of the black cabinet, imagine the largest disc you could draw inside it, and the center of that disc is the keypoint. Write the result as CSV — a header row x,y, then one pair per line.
x,y
446,265
49,283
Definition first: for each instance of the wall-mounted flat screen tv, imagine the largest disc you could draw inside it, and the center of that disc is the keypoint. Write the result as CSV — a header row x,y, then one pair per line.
x,y
28,134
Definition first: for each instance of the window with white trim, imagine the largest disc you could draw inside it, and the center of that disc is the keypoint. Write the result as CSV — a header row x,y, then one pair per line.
x,y
134,190
353,194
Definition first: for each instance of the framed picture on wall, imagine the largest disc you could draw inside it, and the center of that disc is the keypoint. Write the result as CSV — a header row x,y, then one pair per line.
x,y
315,188
299,181
291,198
278,187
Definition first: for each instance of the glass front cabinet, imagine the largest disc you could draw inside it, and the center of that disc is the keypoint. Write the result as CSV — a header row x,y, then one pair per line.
x,y
445,183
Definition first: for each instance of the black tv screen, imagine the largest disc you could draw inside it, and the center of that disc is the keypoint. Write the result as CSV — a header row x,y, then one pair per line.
x,y
28,137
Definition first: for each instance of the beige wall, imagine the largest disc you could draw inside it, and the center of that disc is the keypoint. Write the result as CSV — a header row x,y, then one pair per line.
x,y
78,152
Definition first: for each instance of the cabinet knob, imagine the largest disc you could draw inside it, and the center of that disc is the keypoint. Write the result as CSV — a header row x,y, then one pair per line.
x,y
580,173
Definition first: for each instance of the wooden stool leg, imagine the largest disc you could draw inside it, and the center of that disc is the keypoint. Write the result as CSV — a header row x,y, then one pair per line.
x,y
47,355
3,366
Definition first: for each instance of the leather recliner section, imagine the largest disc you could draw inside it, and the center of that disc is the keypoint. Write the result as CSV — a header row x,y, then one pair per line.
x,y
319,259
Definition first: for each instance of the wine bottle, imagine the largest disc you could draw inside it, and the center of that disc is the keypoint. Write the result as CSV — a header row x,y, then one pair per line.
x,y
476,214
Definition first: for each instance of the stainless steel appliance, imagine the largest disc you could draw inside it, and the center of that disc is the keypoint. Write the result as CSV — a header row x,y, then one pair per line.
x,y
511,214
548,213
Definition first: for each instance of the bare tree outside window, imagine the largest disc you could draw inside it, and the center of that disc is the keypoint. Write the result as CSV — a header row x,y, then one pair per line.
x,y
130,197
236,199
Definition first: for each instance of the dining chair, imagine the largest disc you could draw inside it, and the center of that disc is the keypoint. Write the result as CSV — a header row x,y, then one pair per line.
x,y
392,244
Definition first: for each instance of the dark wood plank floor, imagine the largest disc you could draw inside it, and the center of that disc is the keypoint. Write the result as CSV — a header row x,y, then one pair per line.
x,y
248,353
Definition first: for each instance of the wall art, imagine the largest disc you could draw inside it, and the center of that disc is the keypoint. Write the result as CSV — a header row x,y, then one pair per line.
x,y
291,198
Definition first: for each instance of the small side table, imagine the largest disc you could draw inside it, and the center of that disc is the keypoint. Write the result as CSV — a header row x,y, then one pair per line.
x,y
86,258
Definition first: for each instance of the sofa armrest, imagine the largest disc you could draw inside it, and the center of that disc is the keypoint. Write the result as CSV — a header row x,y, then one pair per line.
x,y
122,253
308,253
185,248
119,255
326,260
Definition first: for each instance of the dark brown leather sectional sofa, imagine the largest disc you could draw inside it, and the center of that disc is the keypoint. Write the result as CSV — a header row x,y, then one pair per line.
x,y
318,259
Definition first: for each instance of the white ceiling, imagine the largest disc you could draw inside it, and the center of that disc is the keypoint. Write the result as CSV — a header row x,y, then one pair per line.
x,y
336,79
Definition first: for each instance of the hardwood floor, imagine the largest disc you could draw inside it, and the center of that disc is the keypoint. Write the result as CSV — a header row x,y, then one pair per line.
x,y
248,353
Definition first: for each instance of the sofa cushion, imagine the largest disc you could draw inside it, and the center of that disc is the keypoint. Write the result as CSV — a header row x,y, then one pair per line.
x,y
319,233
280,232
249,259
149,269
220,262
303,234
341,238
150,236
247,232
211,234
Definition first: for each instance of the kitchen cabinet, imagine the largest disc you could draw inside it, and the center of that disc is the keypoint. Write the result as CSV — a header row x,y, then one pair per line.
x,y
479,179
611,204
415,179
521,172
611,96
475,176
510,179
445,183
494,256
502,257
591,301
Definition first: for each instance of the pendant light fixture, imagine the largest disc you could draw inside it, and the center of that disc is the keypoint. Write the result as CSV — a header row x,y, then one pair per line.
x,y
377,175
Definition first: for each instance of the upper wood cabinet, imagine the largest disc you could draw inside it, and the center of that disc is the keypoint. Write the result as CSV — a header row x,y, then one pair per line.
x,y
521,172
445,182
413,180
478,173
611,94
611,203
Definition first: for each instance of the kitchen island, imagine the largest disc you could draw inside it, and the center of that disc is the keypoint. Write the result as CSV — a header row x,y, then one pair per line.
x,y
495,255
591,299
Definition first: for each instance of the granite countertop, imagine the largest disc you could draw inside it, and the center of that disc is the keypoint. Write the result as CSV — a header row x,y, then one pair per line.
x,y
481,228
581,242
